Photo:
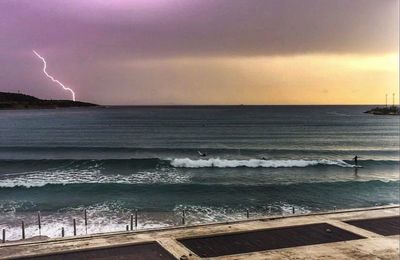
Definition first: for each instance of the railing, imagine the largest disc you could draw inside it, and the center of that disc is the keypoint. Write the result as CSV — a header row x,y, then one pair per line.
x,y
132,223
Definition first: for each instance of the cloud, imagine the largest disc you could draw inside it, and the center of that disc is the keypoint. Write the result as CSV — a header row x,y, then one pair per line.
x,y
200,51
155,28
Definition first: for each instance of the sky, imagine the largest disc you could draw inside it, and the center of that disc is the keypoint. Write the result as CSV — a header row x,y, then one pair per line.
x,y
202,52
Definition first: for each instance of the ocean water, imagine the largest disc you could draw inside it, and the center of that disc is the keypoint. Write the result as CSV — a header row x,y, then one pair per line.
x,y
113,160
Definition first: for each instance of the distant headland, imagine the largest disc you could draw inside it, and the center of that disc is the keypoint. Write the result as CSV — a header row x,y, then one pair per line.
x,y
22,101
392,110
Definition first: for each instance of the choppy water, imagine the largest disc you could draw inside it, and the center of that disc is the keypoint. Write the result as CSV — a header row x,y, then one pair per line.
x,y
113,160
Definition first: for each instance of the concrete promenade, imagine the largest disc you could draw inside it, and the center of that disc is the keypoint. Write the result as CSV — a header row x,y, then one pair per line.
x,y
330,235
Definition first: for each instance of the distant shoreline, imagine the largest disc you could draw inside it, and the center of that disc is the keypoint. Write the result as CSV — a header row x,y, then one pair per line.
x,y
17,101
22,101
390,111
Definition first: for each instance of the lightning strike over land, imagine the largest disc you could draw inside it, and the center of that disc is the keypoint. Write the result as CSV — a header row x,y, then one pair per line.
x,y
51,77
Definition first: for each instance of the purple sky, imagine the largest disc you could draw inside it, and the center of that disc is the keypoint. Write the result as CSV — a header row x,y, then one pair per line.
x,y
136,52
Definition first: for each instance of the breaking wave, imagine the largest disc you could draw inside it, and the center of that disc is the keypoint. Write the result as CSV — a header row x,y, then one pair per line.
x,y
254,163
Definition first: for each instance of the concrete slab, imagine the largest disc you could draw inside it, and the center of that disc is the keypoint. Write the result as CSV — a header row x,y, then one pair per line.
x,y
387,226
144,251
267,239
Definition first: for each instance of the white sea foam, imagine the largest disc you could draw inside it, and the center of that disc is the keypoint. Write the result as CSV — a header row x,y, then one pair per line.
x,y
202,214
167,175
51,227
110,217
102,218
252,163
39,179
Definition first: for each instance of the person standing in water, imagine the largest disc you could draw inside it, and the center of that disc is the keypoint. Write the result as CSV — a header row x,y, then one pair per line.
x,y
355,160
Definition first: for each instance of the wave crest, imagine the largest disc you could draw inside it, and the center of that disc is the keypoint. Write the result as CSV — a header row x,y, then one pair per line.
x,y
253,163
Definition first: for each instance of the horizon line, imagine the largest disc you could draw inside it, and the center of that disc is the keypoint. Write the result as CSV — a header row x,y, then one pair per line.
x,y
205,105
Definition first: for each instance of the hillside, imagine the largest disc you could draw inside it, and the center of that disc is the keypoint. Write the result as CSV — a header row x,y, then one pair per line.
x,y
22,101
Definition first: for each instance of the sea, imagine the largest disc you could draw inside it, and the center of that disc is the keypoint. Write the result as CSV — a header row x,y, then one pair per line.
x,y
213,162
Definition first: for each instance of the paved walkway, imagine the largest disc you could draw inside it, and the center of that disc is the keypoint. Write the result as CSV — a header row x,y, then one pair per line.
x,y
323,236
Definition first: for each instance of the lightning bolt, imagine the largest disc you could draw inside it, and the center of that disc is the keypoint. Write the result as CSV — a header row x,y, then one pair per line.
x,y
51,77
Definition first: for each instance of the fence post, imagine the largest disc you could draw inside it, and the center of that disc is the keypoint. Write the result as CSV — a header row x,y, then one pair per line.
x,y
4,235
136,218
131,222
74,222
23,229
85,221
183,217
293,210
62,232
39,224
127,227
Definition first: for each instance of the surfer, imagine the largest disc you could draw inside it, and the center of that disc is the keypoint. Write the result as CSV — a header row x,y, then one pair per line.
x,y
202,154
355,160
